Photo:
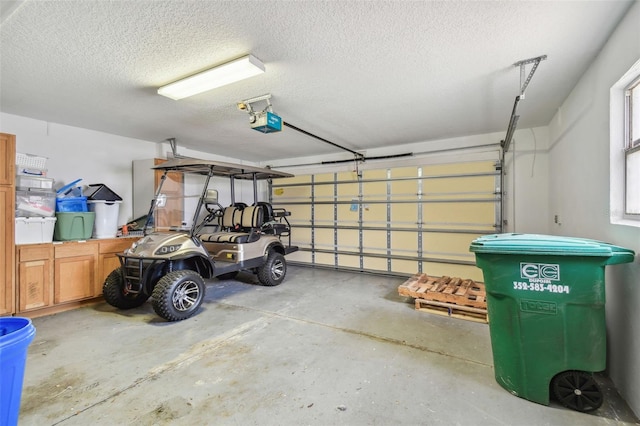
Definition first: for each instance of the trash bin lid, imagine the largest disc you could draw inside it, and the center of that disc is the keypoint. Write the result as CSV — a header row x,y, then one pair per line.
x,y
550,245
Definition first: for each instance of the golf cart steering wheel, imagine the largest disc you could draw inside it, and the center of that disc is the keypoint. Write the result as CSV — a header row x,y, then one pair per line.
x,y
215,209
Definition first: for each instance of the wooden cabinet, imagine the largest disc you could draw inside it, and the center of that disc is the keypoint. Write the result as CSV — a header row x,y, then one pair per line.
x,y
35,272
75,268
58,276
7,223
107,259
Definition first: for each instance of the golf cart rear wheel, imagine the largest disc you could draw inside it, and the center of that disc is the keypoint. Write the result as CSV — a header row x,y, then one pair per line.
x,y
577,390
273,270
115,294
178,295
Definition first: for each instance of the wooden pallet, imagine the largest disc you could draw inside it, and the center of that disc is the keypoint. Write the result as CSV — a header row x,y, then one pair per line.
x,y
452,310
454,296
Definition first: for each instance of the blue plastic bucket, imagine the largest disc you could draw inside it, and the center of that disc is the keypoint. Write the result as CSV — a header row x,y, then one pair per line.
x,y
15,336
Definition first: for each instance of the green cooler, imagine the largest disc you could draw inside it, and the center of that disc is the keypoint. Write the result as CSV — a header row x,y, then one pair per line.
x,y
545,302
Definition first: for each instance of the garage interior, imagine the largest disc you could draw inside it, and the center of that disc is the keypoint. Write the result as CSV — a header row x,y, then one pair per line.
x,y
410,129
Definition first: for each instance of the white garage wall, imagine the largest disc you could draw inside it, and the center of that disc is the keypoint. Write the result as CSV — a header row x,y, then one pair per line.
x,y
579,195
97,157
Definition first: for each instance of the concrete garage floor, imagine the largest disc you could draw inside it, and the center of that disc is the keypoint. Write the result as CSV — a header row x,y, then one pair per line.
x,y
323,348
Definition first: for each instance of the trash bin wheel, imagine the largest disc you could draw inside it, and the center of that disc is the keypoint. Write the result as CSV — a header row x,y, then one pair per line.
x,y
577,390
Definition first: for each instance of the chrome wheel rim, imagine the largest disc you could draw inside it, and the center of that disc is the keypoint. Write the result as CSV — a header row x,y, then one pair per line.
x,y
277,269
186,295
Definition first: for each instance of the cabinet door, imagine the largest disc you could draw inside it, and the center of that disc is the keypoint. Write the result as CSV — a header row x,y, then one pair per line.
x,y
7,251
35,269
107,259
75,271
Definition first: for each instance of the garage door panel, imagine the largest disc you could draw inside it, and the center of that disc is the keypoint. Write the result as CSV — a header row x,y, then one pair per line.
x,y
302,237
323,214
448,243
469,187
327,259
348,190
348,239
347,214
375,239
374,264
349,261
374,191
403,242
409,267
374,214
324,238
404,214
401,219
404,190
463,167
300,256
463,213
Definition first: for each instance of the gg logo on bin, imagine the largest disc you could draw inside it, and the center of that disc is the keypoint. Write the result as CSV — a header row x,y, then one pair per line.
x,y
540,270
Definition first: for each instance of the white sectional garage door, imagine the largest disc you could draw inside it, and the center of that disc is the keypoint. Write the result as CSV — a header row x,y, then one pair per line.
x,y
399,220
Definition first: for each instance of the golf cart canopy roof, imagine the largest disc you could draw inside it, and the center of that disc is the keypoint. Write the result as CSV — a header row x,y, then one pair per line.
x,y
220,168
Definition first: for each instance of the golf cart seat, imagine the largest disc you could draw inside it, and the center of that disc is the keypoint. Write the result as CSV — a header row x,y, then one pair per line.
x,y
238,226
272,223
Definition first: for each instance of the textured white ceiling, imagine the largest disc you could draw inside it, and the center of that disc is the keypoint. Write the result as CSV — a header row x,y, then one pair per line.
x,y
362,74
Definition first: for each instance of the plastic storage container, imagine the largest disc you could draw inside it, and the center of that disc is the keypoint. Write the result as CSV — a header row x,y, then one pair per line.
x,y
15,336
34,203
106,222
71,204
70,198
34,230
545,301
73,226
28,181
29,164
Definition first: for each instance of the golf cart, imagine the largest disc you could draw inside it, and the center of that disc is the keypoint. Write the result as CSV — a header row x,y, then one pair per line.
x,y
173,258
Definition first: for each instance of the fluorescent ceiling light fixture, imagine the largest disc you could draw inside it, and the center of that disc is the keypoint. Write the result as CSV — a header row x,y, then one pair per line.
x,y
224,74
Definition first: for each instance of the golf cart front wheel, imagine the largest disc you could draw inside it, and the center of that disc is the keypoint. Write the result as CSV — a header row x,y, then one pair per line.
x,y
115,293
178,295
577,390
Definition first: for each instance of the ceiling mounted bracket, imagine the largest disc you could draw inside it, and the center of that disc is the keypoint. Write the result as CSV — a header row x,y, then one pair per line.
x,y
247,104
524,82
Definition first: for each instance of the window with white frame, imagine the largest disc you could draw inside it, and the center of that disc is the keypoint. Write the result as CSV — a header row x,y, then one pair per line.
x,y
632,148
624,140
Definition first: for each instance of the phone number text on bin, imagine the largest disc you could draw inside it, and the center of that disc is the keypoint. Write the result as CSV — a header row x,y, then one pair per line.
x,y
551,288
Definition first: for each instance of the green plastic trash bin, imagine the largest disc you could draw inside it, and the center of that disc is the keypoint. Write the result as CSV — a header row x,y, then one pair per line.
x,y
545,302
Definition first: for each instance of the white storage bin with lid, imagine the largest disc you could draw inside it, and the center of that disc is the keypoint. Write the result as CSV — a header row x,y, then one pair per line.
x,y
34,230
106,222
38,182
